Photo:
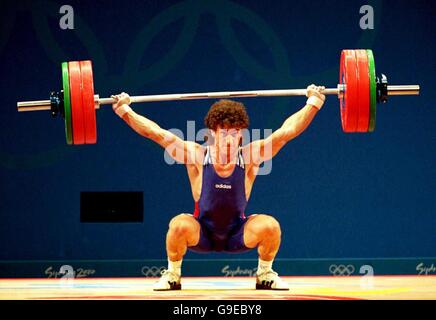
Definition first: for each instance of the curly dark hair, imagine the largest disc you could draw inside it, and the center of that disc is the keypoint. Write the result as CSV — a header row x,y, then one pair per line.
x,y
227,114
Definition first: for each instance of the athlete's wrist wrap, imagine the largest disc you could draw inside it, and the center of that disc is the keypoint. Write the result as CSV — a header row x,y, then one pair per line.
x,y
315,101
122,110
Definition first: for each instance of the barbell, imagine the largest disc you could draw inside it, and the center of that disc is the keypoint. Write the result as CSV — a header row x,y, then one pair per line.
x,y
359,90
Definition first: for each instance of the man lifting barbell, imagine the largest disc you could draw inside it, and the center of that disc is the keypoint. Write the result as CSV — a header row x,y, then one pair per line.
x,y
222,176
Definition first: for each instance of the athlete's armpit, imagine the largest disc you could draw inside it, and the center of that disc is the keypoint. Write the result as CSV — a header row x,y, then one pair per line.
x,y
186,152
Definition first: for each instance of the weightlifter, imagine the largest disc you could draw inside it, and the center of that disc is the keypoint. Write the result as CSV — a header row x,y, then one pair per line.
x,y
221,175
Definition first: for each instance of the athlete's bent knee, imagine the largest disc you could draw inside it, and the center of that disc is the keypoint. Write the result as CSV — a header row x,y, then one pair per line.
x,y
181,226
271,226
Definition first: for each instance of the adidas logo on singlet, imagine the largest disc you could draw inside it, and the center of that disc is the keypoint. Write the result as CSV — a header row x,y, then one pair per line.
x,y
223,186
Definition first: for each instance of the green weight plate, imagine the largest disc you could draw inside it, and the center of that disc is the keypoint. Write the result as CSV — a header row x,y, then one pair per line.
x,y
372,90
67,103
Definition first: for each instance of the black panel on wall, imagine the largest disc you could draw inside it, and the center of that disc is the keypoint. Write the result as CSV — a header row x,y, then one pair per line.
x,y
111,206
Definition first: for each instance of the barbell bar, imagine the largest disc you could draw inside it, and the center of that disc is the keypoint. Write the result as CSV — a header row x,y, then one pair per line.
x,y
359,90
392,90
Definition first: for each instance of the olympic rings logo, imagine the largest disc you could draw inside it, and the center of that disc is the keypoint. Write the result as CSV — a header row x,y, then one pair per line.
x,y
342,270
152,271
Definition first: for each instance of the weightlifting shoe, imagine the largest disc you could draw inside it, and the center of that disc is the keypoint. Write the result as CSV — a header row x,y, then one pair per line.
x,y
269,280
168,281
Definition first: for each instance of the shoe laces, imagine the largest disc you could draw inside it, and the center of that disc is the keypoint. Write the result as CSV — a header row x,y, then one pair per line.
x,y
270,273
169,274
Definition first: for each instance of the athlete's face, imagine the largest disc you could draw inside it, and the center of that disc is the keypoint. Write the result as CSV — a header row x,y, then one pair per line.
x,y
227,140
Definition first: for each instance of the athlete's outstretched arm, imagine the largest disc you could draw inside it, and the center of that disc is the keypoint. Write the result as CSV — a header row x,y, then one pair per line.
x,y
265,149
181,150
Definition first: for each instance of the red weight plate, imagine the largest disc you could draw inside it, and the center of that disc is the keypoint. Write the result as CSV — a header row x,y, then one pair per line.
x,y
363,90
349,99
88,102
76,102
